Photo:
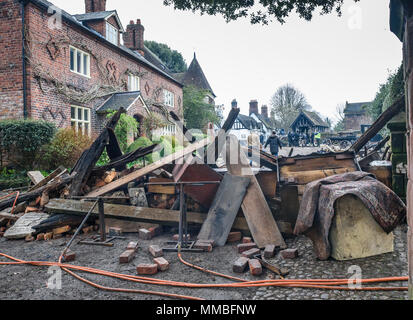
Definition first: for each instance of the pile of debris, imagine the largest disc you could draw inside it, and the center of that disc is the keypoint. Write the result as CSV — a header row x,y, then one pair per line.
x,y
257,205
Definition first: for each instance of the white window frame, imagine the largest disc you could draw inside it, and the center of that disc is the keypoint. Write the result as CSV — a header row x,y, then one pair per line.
x,y
112,34
76,121
133,82
82,61
169,98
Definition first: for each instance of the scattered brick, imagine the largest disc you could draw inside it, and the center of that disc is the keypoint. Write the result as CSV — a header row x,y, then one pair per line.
x,y
148,269
48,236
251,253
69,256
162,263
269,251
40,237
240,265
115,232
156,251
200,244
132,246
176,237
246,240
127,256
289,253
29,238
234,237
145,234
156,230
245,247
255,267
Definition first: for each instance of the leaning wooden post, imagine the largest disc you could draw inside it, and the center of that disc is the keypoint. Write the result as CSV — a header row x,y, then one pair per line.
x,y
408,64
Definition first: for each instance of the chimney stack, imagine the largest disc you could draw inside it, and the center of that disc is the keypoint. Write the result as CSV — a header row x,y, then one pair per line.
x,y
133,37
95,5
264,111
254,107
234,104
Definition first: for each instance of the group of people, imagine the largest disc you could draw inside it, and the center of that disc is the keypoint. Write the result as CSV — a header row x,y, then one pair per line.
x,y
306,138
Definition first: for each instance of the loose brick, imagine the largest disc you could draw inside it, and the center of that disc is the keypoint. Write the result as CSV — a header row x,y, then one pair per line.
x,y
255,267
200,244
148,269
69,256
240,265
132,246
29,238
48,236
245,247
40,237
162,263
127,256
145,234
115,232
234,237
289,253
251,252
247,240
176,237
269,251
156,251
156,231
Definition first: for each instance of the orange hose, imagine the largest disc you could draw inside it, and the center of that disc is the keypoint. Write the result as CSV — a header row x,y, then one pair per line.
x,y
328,284
15,200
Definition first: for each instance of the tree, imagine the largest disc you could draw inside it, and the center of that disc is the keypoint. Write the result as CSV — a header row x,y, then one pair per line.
x,y
387,94
286,104
340,118
267,11
197,112
172,58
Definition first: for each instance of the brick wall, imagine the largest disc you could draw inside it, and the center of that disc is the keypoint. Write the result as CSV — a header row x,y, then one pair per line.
x,y
354,121
11,81
50,53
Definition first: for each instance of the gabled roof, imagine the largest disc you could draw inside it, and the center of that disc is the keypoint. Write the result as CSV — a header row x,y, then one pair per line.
x,y
313,117
266,121
247,122
357,107
194,76
101,15
133,54
120,100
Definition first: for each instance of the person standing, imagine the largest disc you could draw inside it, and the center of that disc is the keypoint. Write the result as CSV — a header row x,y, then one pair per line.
x,y
275,144
317,138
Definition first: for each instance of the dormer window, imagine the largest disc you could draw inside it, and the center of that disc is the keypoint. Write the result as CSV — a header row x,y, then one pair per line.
x,y
112,34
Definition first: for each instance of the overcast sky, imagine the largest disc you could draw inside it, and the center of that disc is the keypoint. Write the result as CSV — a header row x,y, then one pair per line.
x,y
330,59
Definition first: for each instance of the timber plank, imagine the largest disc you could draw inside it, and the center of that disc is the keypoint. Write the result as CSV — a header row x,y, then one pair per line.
x,y
149,215
224,209
50,177
35,176
254,206
148,169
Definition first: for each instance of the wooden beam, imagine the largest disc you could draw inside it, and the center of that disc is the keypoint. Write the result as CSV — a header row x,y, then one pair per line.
x,y
59,171
35,176
28,196
87,161
131,213
178,122
148,169
215,148
385,117
259,217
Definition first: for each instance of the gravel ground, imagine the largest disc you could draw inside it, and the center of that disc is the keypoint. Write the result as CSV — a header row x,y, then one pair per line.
x,y
29,282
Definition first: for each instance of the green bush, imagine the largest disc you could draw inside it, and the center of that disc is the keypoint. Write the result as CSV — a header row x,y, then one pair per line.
x,y
141,142
21,140
65,149
10,179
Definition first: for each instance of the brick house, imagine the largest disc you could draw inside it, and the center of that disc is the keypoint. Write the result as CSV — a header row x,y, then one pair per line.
x,y
76,67
355,116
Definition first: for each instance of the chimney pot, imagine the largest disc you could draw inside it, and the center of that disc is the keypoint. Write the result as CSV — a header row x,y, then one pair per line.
x,y
95,5
254,107
234,104
264,111
133,38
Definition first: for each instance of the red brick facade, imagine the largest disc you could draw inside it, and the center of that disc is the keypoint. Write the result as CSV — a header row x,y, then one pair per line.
x,y
52,86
